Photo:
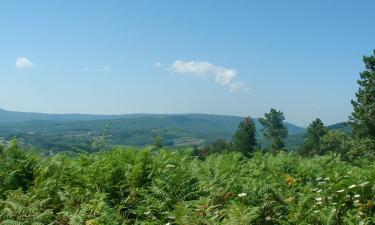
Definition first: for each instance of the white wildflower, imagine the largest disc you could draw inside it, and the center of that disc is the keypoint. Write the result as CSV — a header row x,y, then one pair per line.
x,y
319,199
147,213
318,191
168,223
319,178
319,203
361,223
327,178
316,211
242,195
357,196
356,203
335,203
363,184
268,218
170,166
352,186
340,191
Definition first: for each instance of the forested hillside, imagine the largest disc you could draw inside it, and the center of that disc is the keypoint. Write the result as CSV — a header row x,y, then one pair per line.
x,y
78,133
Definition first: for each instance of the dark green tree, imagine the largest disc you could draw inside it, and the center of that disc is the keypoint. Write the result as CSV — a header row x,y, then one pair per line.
x,y
244,139
158,142
274,129
362,119
315,132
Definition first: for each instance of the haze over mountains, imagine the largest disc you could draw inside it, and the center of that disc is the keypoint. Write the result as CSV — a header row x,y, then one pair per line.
x,y
77,131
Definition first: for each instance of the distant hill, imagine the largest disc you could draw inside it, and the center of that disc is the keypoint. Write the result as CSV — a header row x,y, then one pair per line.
x,y
72,131
343,126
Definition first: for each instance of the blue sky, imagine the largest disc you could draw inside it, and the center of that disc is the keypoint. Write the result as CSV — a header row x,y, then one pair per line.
x,y
220,57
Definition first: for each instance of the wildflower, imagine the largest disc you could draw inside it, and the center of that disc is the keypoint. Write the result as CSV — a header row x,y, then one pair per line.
x,y
357,196
316,211
319,199
268,218
318,191
168,223
147,213
170,166
361,213
352,186
335,203
242,195
361,223
340,191
314,189
319,203
326,179
356,203
348,196
319,178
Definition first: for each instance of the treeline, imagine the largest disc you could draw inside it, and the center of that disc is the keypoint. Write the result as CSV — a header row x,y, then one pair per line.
x,y
320,140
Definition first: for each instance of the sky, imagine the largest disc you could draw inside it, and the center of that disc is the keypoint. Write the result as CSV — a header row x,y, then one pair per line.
x,y
198,56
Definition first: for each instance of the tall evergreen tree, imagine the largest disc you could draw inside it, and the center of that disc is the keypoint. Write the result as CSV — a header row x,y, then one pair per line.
x,y
315,132
244,139
362,119
274,129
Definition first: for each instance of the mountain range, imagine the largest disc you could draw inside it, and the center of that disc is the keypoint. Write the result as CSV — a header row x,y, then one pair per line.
x,y
75,132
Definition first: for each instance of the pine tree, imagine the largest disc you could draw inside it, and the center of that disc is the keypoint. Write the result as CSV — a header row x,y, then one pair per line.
x,y
244,138
158,142
315,132
362,119
274,129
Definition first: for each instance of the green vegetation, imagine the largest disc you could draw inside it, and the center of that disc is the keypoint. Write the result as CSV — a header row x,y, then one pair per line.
x,y
274,129
132,130
135,186
363,118
244,138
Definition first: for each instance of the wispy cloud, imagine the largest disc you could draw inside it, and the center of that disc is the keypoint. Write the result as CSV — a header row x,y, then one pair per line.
x,y
105,68
24,63
158,64
222,75
238,87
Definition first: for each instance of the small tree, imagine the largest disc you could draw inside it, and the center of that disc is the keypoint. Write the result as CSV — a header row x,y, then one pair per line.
x,y
158,142
274,129
362,119
244,139
315,132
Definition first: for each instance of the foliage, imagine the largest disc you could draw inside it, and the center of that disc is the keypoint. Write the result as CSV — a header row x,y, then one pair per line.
x,y
139,186
315,133
244,138
274,129
363,118
158,142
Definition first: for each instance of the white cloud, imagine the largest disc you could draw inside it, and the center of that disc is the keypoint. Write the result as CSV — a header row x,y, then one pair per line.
x,y
238,87
105,68
223,76
24,63
158,64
